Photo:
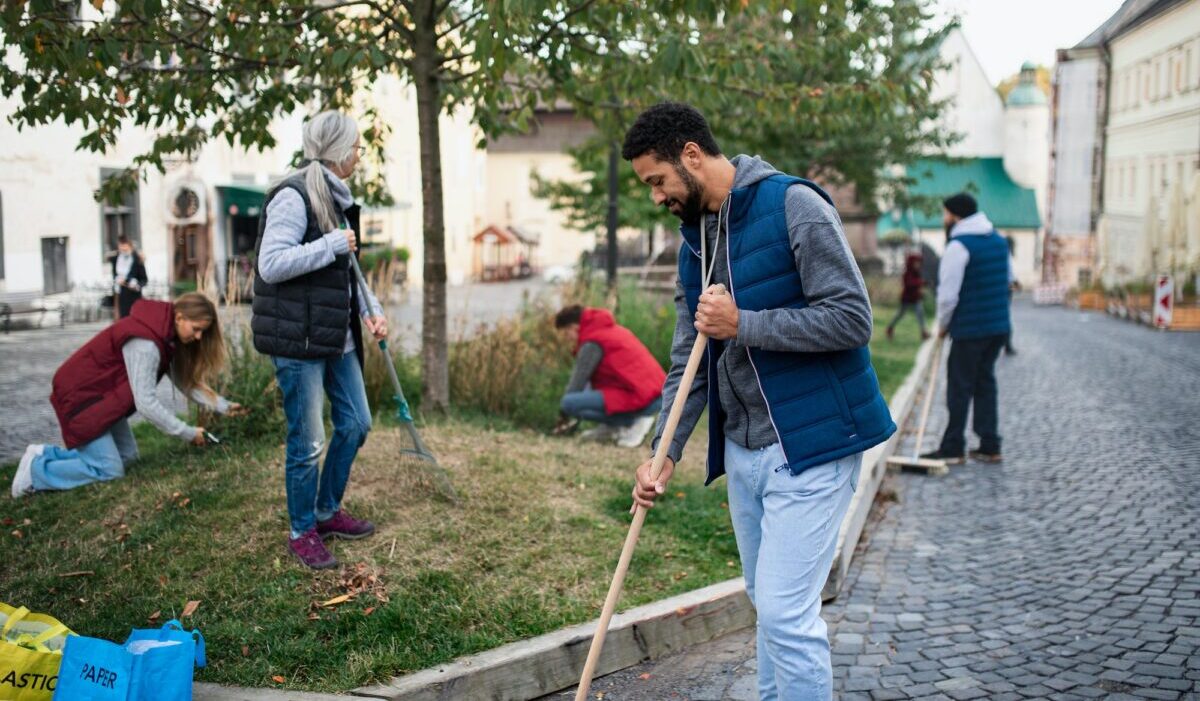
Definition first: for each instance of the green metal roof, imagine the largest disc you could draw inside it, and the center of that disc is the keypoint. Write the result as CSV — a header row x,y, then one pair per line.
x,y
1006,204
1025,95
247,198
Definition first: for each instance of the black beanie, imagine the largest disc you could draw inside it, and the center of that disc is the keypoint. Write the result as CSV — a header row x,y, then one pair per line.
x,y
961,205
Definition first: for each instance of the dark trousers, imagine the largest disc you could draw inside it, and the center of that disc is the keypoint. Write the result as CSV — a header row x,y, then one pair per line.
x,y
971,377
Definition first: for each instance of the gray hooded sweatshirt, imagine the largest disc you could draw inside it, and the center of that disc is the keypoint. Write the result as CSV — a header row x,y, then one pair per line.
x,y
838,316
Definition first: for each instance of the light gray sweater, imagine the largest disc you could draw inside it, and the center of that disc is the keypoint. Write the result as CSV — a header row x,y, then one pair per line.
x,y
838,316
282,256
141,364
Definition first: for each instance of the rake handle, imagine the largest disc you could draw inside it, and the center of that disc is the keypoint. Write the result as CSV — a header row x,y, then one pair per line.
x,y
639,518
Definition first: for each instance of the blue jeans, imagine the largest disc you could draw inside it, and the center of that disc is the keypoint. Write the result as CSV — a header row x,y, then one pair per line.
x,y
786,528
588,404
314,495
101,460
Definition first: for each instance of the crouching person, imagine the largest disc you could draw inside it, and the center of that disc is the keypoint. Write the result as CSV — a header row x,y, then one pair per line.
x,y
117,372
616,382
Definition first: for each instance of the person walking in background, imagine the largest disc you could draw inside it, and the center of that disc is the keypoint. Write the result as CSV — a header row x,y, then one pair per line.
x,y
116,373
304,316
129,276
973,309
911,297
616,381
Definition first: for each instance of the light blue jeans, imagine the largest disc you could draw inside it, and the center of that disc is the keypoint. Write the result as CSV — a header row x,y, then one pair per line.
x,y
316,495
101,460
786,528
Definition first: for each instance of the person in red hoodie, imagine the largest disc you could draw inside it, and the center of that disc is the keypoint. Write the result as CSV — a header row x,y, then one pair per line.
x,y
911,297
616,381
116,373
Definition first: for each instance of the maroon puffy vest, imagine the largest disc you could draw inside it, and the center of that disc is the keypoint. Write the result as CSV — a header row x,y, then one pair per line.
x,y
628,376
91,390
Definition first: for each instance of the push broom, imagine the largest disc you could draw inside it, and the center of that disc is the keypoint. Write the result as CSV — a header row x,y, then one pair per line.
x,y
916,462
440,479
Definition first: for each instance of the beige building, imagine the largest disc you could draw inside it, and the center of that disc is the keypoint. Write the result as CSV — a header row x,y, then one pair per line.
x,y
1129,95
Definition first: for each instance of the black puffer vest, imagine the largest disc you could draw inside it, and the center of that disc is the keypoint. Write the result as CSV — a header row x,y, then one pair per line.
x,y
306,317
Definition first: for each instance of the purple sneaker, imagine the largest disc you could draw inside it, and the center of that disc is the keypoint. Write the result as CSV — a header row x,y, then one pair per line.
x,y
309,549
345,526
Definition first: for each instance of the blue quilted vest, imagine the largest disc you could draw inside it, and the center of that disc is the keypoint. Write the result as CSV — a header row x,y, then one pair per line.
x,y
982,309
823,406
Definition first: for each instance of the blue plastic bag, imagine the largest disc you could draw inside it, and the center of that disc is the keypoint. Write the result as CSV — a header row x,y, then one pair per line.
x,y
93,670
152,665
163,662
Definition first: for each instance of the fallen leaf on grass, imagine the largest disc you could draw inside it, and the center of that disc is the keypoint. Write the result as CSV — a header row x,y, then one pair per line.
x,y
17,534
189,609
337,600
278,679
245,651
680,576
368,610
314,617
8,521
155,616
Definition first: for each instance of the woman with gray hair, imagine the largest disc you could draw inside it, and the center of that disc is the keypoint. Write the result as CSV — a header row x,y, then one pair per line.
x,y
305,303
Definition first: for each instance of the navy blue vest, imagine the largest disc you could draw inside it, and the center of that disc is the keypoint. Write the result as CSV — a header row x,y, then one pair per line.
x,y
982,309
823,406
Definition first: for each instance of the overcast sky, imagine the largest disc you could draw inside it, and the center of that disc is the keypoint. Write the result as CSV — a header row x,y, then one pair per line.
x,y
1006,33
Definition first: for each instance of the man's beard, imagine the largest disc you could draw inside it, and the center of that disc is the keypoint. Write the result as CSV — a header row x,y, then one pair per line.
x,y
692,208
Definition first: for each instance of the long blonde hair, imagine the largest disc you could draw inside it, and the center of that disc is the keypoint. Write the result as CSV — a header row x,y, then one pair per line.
x,y
195,363
328,140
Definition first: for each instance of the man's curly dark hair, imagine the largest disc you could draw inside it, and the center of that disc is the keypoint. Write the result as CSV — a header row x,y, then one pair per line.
x,y
663,130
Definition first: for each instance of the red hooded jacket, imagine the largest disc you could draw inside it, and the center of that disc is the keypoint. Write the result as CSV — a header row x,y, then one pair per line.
x,y
91,390
628,376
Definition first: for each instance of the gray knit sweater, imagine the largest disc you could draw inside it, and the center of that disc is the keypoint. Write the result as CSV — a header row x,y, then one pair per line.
x,y
141,364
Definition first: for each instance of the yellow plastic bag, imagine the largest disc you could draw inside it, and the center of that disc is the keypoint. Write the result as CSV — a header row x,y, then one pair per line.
x,y
30,652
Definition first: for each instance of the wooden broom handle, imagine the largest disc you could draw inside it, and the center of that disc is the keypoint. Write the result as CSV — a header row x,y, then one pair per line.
x,y
639,517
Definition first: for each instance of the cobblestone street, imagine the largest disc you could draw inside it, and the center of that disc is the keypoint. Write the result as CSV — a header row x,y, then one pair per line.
x,y
1070,571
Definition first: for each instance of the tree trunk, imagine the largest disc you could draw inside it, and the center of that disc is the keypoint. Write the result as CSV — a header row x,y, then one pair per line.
x,y
434,351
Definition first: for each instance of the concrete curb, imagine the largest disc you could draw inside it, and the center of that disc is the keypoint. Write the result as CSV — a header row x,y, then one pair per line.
x,y
545,664
531,668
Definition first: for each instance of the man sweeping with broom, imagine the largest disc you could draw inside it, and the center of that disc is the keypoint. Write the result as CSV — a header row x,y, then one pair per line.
x,y
766,274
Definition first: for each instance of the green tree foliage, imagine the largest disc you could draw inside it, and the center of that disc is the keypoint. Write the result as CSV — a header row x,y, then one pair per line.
x,y
835,91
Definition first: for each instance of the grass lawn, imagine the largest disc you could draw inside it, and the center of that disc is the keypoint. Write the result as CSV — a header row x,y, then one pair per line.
x,y
530,549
